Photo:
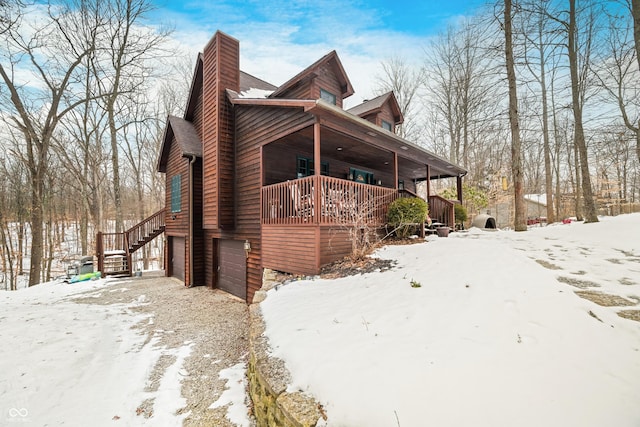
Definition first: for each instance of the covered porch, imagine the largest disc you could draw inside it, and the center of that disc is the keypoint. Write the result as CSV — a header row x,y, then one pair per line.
x,y
336,175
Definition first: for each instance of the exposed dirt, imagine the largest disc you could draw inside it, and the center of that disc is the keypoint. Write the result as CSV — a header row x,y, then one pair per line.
x,y
350,267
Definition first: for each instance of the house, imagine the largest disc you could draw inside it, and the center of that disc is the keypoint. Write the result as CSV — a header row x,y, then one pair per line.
x,y
260,176
535,208
503,210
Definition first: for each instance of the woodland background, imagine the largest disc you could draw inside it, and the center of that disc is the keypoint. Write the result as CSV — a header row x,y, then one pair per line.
x,y
532,97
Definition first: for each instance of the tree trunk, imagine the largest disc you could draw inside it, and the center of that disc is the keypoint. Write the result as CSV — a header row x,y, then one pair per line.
x,y
548,178
516,148
115,163
635,13
37,237
577,186
578,136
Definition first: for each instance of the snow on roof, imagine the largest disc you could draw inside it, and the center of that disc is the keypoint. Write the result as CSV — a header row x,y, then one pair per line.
x,y
254,93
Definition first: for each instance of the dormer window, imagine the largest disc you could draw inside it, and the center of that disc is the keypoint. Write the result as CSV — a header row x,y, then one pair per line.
x,y
388,126
325,95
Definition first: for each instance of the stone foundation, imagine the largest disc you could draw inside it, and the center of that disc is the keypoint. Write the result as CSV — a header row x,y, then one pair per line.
x,y
273,406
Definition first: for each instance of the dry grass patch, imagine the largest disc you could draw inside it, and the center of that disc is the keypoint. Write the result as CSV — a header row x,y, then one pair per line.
x,y
605,300
626,281
547,264
578,283
630,314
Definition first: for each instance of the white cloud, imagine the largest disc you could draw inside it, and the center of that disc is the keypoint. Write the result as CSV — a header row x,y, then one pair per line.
x,y
281,40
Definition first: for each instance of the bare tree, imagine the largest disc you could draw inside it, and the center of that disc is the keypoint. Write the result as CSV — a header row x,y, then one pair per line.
x,y
578,87
463,86
54,52
618,75
405,82
123,70
542,38
516,149
635,13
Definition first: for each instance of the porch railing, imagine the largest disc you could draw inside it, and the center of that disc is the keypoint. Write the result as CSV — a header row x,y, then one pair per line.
x,y
341,202
441,210
114,250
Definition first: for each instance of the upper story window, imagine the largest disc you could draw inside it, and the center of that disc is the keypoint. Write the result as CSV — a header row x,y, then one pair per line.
x,y
388,126
176,194
325,95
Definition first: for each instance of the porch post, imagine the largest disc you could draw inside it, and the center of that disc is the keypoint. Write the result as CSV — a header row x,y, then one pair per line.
x,y
459,187
395,169
428,182
317,165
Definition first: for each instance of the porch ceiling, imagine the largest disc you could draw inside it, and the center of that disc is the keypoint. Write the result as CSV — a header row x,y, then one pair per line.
x,y
335,144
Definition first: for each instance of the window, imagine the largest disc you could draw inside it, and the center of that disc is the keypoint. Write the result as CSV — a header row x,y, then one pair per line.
x,y
327,96
358,175
176,195
304,167
388,126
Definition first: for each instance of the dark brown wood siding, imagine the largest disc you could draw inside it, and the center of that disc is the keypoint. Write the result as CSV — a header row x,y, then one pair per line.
x,y
254,127
327,80
386,114
290,248
177,223
335,243
220,72
302,90
196,115
293,248
198,235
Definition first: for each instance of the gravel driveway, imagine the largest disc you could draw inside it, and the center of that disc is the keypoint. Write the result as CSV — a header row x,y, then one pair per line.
x,y
216,323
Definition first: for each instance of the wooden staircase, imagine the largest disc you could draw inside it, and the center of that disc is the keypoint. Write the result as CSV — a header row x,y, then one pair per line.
x,y
114,250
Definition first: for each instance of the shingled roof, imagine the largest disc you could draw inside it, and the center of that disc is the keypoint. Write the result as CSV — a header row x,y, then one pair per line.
x,y
375,105
187,140
247,82
310,71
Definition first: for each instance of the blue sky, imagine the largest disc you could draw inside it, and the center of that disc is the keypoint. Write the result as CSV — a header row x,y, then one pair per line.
x,y
279,38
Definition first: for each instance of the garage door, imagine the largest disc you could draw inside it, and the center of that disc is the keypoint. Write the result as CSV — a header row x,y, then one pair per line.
x,y
177,257
232,267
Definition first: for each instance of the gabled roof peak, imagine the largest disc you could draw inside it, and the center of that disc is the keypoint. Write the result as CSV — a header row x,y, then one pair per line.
x,y
374,105
311,71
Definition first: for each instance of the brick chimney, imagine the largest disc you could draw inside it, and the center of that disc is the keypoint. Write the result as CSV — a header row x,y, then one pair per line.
x,y
221,71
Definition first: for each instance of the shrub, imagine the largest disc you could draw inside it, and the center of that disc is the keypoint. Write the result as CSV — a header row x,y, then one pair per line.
x,y
460,213
405,212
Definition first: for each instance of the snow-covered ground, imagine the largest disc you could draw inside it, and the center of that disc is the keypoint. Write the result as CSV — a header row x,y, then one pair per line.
x,y
495,334
84,364
64,363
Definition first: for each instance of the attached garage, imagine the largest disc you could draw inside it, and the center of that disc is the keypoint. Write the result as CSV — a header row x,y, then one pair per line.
x,y
232,267
177,257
